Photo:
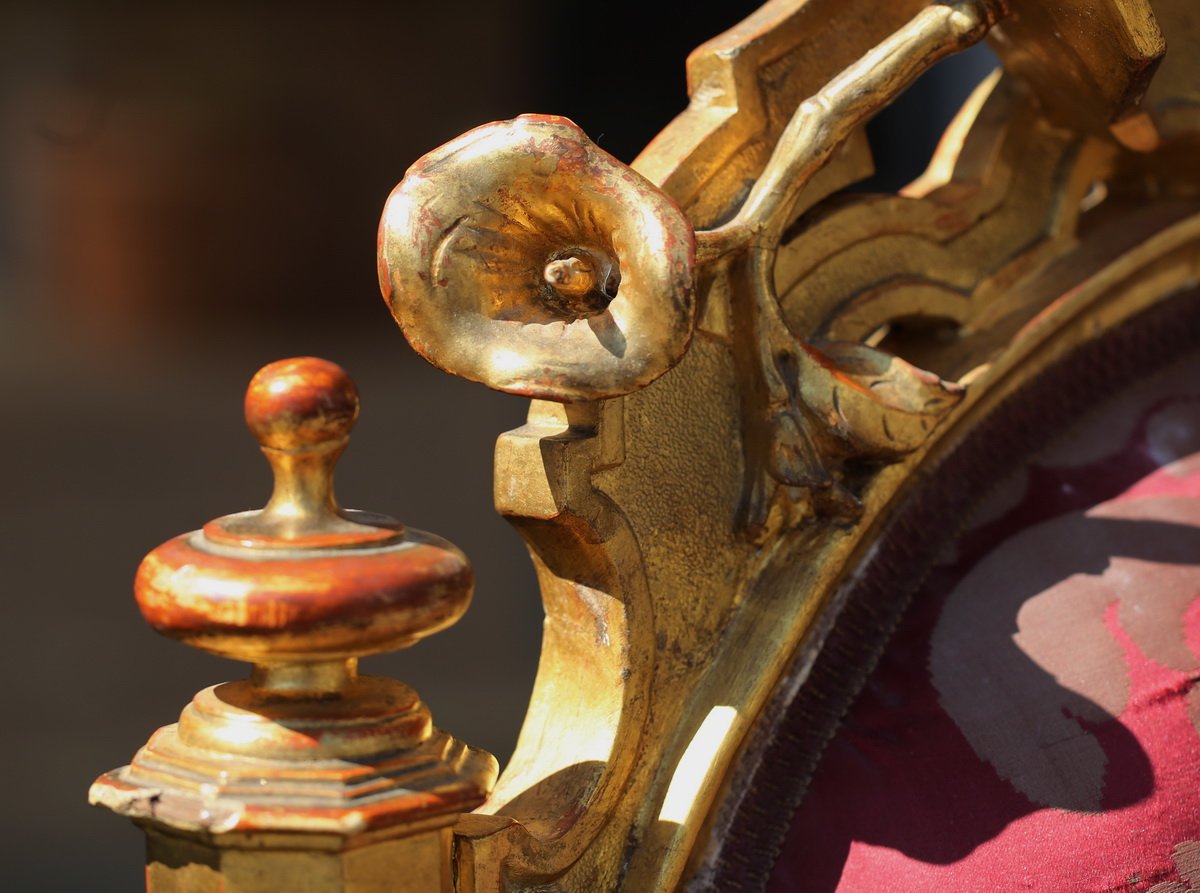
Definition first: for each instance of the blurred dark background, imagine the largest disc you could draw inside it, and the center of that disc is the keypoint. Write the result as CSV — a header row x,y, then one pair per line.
x,y
189,191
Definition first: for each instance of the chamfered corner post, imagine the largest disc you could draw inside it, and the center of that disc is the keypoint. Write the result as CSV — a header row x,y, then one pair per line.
x,y
306,776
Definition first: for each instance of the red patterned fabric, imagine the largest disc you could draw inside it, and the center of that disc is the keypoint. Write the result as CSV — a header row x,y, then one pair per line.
x,y
1033,725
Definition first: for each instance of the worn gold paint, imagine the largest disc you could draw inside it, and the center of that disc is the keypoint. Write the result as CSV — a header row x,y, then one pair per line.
x,y
681,582
729,407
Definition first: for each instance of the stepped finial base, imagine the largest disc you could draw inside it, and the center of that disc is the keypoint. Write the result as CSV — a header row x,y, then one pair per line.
x,y
242,759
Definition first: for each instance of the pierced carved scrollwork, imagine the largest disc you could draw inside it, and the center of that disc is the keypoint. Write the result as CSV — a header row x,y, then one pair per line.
x,y
728,357
523,256
808,411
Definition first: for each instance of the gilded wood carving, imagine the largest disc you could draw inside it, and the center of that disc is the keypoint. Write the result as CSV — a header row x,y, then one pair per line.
x,y
738,371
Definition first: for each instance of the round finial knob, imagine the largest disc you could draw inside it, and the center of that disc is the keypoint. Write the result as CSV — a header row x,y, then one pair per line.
x,y
301,404
301,412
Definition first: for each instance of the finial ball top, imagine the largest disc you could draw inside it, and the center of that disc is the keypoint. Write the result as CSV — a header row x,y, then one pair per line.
x,y
301,404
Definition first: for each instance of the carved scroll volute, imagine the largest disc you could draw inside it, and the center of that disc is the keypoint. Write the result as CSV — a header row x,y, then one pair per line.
x,y
523,256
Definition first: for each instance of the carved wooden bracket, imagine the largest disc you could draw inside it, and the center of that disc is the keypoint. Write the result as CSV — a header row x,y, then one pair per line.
x,y
735,423
725,353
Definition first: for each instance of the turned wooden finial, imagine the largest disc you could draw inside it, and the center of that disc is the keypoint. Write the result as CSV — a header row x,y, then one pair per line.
x,y
301,589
